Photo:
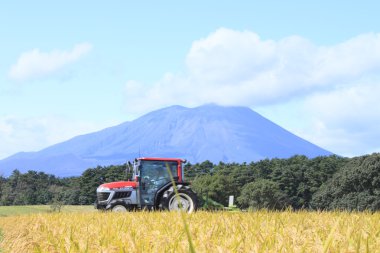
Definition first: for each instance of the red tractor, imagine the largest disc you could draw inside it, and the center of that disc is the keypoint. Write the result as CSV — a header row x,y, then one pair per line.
x,y
151,188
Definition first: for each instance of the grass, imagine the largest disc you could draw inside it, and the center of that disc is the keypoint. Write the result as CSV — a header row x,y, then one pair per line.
x,y
22,210
258,231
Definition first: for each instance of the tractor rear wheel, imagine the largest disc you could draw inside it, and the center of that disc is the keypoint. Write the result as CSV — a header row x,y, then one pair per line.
x,y
185,201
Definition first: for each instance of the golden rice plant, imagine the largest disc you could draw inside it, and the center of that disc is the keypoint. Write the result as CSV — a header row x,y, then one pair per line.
x,y
259,231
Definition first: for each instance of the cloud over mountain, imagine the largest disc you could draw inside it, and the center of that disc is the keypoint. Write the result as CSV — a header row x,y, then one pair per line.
x,y
231,67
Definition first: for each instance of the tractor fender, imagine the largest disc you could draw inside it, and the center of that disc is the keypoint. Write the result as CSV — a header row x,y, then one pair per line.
x,y
160,192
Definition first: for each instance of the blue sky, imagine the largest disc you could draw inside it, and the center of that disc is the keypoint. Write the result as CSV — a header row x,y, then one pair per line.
x,y
75,67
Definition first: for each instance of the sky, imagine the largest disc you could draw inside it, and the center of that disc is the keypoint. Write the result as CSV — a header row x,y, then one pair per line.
x,y
73,67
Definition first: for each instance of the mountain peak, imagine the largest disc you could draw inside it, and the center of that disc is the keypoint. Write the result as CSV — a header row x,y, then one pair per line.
x,y
208,132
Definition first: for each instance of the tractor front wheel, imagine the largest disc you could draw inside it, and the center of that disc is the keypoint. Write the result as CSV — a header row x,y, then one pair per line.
x,y
119,208
185,201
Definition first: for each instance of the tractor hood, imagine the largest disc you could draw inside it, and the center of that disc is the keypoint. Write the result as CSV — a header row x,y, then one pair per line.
x,y
118,185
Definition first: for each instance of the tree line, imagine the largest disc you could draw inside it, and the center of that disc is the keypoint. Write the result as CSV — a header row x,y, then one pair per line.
x,y
321,183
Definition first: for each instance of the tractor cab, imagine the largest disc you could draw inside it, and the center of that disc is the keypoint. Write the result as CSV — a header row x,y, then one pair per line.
x,y
151,188
153,174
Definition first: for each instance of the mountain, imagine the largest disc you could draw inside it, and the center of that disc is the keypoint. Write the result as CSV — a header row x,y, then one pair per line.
x,y
209,132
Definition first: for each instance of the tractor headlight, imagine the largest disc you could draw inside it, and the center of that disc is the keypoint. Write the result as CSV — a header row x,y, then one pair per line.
x,y
102,188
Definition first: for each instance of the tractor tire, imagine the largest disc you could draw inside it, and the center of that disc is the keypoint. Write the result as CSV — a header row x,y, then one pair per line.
x,y
186,201
119,209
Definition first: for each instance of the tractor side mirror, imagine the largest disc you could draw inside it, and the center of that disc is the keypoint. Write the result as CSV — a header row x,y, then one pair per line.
x,y
129,169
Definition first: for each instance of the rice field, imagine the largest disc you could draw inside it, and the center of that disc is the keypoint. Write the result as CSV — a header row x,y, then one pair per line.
x,y
259,231
21,210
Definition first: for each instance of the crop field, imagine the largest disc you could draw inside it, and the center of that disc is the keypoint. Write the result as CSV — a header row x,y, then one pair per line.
x,y
21,210
260,231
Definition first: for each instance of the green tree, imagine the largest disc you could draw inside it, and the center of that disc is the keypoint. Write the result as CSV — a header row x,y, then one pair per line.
x,y
9,189
71,190
3,182
356,186
89,181
115,173
263,193
192,171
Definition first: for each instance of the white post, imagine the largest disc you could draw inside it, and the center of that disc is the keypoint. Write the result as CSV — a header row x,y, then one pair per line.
x,y
231,201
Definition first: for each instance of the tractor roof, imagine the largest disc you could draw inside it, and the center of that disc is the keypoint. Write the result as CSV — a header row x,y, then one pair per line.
x,y
161,159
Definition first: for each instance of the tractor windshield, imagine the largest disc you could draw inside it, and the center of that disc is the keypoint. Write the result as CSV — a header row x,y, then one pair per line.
x,y
156,170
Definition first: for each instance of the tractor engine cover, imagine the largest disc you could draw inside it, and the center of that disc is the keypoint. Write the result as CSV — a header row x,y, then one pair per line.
x,y
116,193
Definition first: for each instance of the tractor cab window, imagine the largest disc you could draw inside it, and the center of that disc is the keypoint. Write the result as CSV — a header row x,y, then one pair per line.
x,y
154,174
157,170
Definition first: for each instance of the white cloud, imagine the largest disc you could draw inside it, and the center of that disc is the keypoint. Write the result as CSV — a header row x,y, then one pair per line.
x,y
232,67
36,64
260,72
32,134
348,104
337,85
228,55
346,119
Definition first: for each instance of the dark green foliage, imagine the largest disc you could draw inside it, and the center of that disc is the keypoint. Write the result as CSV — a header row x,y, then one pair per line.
x,y
90,179
191,171
300,177
31,187
222,181
263,193
356,186
297,177
320,183
34,188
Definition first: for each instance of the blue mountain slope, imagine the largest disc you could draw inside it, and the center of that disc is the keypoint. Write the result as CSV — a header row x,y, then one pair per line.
x,y
210,132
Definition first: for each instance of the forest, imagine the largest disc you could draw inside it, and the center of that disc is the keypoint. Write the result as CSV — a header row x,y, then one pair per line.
x,y
321,183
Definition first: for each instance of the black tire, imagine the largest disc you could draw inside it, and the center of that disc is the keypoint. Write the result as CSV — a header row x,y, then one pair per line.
x,y
186,201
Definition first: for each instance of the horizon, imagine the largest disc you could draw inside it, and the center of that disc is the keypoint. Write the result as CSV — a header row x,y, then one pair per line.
x,y
309,67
